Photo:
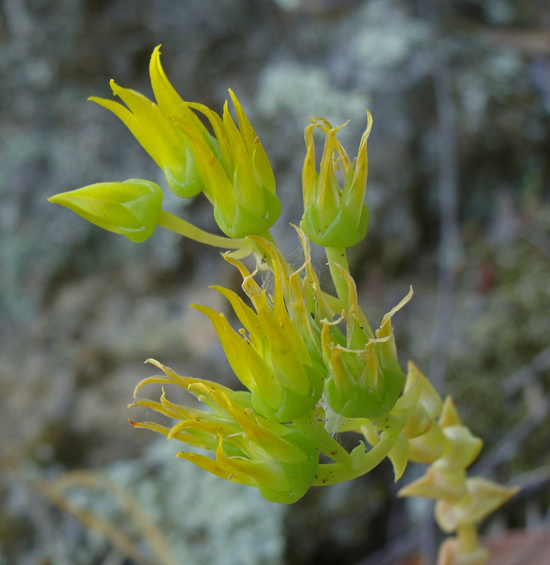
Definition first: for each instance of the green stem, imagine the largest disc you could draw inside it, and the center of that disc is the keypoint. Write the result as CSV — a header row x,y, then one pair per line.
x,y
316,432
338,255
175,224
267,235
467,538
332,473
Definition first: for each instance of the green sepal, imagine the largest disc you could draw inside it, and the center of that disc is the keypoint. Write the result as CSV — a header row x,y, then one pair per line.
x,y
341,232
185,182
314,429
399,455
300,475
293,405
359,402
238,222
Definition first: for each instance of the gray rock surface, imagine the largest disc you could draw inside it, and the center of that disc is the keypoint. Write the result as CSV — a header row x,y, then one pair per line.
x,y
80,309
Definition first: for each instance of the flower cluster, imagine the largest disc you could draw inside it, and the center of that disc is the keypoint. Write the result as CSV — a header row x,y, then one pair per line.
x,y
230,167
309,361
306,377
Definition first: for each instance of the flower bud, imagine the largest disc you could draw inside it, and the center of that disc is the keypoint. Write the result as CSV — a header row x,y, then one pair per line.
x,y
483,498
334,216
153,127
236,173
131,207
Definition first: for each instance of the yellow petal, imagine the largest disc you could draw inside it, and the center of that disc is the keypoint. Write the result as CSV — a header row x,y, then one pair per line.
x,y
214,467
437,485
160,130
244,360
246,315
310,178
217,185
249,192
449,415
262,436
250,286
133,124
169,101
220,134
385,326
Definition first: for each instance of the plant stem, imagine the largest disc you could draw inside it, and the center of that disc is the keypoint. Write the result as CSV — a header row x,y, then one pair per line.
x,y
332,473
338,255
175,224
467,538
267,235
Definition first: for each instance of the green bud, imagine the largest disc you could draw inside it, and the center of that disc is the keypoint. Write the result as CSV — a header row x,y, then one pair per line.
x,y
131,207
334,216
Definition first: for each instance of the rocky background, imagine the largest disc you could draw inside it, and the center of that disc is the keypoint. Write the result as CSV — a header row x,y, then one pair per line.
x,y
459,197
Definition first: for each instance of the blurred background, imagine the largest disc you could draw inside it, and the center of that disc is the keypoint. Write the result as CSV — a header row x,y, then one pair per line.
x,y
458,191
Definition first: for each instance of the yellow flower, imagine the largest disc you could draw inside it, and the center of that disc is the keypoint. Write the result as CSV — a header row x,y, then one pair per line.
x,y
231,167
249,449
334,216
272,361
236,173
289,352
156,132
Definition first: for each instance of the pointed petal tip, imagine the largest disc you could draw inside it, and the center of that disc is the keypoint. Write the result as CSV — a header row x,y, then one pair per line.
x,y
151,361
155,60
115,87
